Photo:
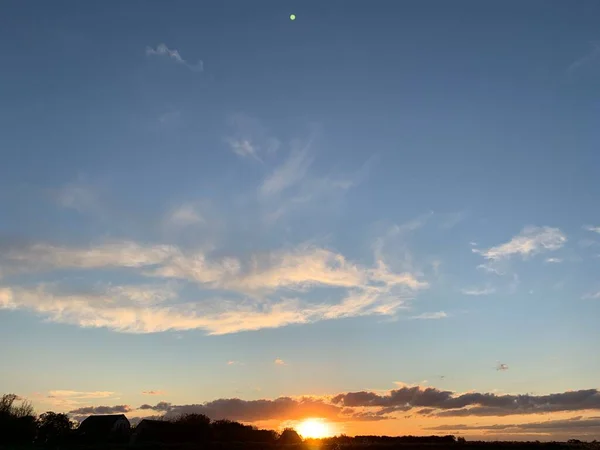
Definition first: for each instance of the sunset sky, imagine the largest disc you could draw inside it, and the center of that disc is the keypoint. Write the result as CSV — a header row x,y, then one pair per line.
x,y
381,214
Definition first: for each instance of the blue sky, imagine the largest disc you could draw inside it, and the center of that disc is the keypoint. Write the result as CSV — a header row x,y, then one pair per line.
x,y
212,201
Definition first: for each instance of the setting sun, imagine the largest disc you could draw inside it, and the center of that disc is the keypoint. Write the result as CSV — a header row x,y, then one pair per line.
x,y
314,428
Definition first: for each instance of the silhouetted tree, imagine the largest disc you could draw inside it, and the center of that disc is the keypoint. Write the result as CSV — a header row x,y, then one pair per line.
x,y
54,428
17,421
289,436
193,427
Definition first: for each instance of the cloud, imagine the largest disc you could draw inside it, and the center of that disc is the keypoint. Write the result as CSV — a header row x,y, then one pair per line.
x,y
184,215
531,241
78,196
243,147
371,406
450,220
163,50
591,57
160,406
478,291
573,423
264,290
118,409
431,315
283,408
153,392
591,296
502,367
591,228
110,254
447,403
553,260
128,314
490,268
289,173
279,362
79,394
250,139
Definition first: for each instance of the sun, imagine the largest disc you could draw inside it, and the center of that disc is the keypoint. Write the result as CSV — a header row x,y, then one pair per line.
x,y
314,428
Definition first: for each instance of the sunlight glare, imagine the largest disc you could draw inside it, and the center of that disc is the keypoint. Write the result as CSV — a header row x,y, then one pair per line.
x,y
314,428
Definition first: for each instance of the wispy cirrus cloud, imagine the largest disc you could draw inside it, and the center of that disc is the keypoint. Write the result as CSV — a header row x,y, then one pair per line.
x,y
476,291
531,241
553,260
592,228
153,392
84,395
184,215
431,315
258,288
249,138
591,296
172,54
591,57
290,172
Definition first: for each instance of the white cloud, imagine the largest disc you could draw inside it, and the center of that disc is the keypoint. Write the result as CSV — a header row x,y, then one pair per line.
x,y
185,215
431,315
163,50
530,241
478,291
591,295
592,228
553,260
490,268
243,148
292,171
127,314
263,281
249,138
109,254
279,362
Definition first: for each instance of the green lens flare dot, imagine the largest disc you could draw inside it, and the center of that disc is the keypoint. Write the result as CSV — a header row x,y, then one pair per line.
x,y
292,16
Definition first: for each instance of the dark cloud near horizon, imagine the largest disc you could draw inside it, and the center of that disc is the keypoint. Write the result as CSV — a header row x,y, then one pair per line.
x,y
563,424
160,406
472,404
254,410
371,406
90,410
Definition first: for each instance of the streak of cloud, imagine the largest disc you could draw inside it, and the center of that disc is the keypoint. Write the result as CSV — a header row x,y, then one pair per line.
x,y
431,315
479,291
164,51
118,409
531,241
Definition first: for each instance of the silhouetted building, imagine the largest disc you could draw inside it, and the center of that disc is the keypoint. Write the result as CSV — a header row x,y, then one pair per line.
x,y
114,428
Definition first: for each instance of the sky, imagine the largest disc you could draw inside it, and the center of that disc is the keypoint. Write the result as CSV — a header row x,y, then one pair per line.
x,y
381,214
